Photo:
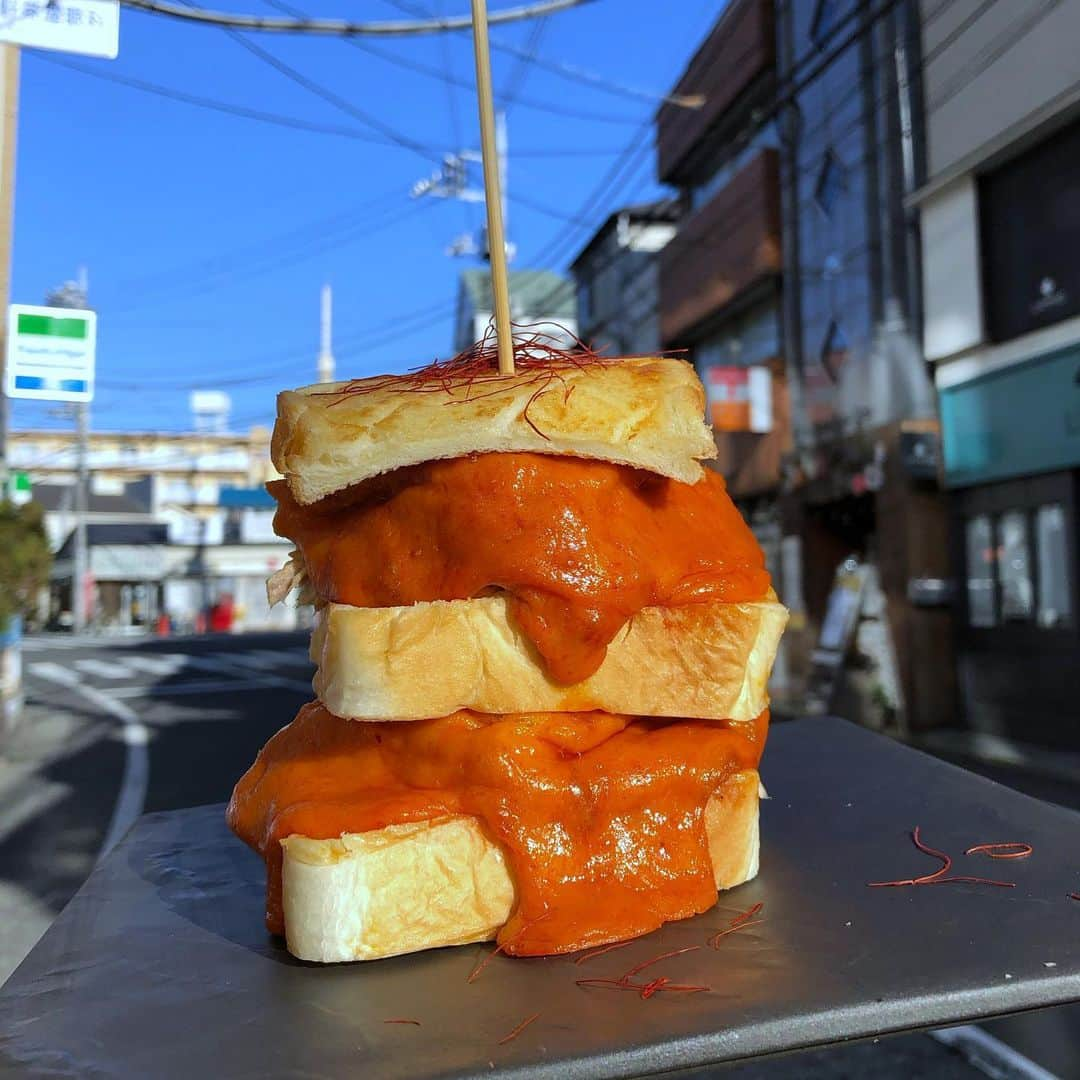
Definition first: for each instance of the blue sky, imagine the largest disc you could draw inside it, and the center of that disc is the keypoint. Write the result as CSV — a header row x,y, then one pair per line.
x,y
207,236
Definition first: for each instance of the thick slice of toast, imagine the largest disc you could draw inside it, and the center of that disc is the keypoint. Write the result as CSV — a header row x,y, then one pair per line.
x,y
647,413
410,887
709,661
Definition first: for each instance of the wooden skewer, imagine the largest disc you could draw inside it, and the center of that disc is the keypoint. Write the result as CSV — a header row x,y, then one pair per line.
x,y
500,286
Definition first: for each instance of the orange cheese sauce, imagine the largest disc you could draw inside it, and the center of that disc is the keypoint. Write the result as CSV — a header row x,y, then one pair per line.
x,y
601,817
580,546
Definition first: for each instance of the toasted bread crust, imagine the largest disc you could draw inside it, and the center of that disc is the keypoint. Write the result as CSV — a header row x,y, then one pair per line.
x,y
647,413
709,661
411,887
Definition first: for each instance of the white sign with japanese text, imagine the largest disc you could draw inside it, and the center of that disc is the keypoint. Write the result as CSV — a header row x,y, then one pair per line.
x,y
51,353
89,27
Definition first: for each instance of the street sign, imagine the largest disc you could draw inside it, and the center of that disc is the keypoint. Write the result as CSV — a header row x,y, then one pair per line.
x,y
89,27
50,353
19,488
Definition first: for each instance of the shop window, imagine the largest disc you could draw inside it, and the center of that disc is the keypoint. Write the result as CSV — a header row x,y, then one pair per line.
x,y
1029,233
981,574
1014,568
1055,586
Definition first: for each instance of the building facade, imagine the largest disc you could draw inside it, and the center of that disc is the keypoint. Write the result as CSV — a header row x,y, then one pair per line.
x,y
616,277
794,285
538,298
1001,263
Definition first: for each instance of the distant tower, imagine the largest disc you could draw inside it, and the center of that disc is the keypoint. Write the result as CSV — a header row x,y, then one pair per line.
x,y
326,354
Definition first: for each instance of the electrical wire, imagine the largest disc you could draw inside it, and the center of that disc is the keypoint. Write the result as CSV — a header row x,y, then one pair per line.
x,y
342,27
199,101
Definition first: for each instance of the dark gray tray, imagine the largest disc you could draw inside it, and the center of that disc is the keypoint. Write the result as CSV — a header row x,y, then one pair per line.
x,y
160,966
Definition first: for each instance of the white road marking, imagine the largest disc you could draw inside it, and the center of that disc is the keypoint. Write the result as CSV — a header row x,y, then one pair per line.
x,y
989,1054
197,686
52,672
163,665
103,669
129,802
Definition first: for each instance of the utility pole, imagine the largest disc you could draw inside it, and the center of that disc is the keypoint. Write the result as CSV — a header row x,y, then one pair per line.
x,y
326,352
72,294
452,182
9,112
79,559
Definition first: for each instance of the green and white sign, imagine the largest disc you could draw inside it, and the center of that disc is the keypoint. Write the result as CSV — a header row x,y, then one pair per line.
x,y
50,353
19,488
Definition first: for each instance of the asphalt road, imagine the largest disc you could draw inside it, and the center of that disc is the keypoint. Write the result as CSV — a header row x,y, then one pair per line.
x,y
116,727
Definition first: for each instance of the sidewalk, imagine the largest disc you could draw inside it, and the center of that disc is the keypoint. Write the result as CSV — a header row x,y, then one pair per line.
x,y
49,829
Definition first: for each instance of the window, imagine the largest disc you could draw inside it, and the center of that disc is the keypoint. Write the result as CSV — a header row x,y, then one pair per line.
x,y
831,183
1055,586
981,557
1018,566
1029,211
824,21
1014,568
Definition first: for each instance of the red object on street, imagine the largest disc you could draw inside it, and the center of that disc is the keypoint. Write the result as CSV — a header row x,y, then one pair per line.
x,y
221,615
163,625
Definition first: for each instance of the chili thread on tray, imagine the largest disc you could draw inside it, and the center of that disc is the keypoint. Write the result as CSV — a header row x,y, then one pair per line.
x,y
740,922
475,973
593,953
938,876
512,1035
416,1022
1002,851
645,990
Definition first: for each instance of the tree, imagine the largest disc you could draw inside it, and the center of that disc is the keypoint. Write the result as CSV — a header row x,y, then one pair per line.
x,y
25,558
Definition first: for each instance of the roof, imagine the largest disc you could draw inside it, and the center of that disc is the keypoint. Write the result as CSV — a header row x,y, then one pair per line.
x,y
660,211
138,535
536,293
248,498
62,497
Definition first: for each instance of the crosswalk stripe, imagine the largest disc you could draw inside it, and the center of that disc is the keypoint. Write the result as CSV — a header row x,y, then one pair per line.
x,y
103,669
162,665
46,669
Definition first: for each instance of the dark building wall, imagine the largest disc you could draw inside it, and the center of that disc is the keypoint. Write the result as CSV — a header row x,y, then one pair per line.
x,y
740,49
721,252
617,297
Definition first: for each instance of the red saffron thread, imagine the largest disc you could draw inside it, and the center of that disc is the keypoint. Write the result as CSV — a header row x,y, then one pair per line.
x,y
657,986
656,959
740,922
1012,850
475,973
526,927
600,952
511,1036
416,1022
937,877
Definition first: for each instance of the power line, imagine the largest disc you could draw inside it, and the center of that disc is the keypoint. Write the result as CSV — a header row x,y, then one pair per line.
x,y
342,27
199,101
223,262
332,98
329,240
569,71
244,112
526,57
